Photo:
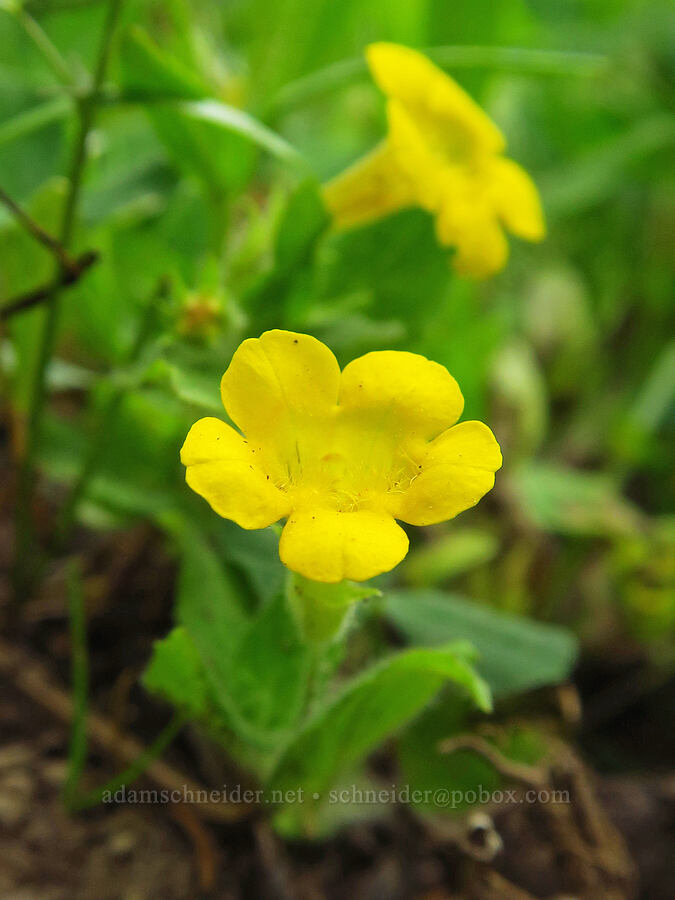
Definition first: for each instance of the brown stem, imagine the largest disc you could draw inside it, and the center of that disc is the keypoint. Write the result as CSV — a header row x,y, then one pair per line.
x,y
508,768
68,276
38,232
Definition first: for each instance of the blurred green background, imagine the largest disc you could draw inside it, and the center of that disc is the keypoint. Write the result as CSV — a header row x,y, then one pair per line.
x,y
215,126
569,354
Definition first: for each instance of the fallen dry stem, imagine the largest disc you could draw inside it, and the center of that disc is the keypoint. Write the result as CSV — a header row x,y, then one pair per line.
x,y
508,768
33,680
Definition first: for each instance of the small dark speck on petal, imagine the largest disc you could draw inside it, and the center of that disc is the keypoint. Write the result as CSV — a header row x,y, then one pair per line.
x,y
295,340
268,477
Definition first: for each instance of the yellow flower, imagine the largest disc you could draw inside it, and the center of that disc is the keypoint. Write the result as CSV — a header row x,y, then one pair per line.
x,y
444,154
341,455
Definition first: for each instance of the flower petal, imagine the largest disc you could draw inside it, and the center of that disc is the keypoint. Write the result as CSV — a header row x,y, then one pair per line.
x,y
420,164
481,252
403,392
329,546
516,199
220,468
457,470
279,390
373,187
406,75
473,230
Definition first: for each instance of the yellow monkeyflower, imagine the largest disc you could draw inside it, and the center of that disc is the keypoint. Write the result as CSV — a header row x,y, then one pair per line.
x,y
340,455
442,153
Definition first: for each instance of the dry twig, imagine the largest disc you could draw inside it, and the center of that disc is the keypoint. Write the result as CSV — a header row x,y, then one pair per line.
x,y
34,681
38,232
508,768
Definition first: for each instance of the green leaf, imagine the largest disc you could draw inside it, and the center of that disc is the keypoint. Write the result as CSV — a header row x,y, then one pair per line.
x,y
255,554
369,709
205,136
425,769
513,59
137,467
303,221
208,605
193,371
267,684
256,667
564,501
221,159
455,553
391,261
117,490
26,264
33,119
197,387
657,393
593,177
519,388
463,778
150,74
289,288
516,654
175,672
234,120
637,430
356,798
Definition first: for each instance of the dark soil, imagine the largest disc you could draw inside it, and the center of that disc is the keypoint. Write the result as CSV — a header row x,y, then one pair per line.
x,y
614,840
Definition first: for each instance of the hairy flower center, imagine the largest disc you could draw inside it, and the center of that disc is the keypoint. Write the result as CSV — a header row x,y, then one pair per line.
x,y
346,465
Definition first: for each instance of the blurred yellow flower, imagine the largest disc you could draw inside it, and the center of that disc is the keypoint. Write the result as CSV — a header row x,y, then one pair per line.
x,y
340,454
442,153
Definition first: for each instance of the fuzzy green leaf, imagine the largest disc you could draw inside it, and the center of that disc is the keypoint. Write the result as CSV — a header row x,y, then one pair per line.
x,y
175,672
516,654
369,709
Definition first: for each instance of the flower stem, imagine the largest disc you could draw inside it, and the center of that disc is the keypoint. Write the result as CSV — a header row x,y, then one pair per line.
x,y
44,44
86,109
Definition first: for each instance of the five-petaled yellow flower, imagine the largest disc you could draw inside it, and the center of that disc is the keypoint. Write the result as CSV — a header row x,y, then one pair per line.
x,y
442,153
341,455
